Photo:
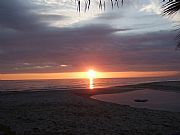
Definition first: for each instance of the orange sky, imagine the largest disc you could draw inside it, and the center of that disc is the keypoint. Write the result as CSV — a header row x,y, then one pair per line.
x,y
76,75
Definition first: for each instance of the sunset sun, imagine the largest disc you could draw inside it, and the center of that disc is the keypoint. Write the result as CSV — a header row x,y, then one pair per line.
x,y
91,73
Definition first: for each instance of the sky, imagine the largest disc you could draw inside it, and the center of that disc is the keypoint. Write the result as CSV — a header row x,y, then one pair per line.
x,y
50,36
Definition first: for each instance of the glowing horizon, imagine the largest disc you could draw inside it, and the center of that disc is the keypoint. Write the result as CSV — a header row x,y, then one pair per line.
x,y
81,75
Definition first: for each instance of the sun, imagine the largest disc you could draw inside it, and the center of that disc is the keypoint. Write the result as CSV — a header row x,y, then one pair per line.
x,y
91,73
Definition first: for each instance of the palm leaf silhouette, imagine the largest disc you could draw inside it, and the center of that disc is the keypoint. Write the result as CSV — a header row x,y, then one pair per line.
x,y
170,8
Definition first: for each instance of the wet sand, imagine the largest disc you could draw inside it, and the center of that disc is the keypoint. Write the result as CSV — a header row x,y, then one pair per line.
x,y
146,98
74,113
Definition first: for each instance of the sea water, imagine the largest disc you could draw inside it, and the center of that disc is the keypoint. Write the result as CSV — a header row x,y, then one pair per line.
x,y
33,85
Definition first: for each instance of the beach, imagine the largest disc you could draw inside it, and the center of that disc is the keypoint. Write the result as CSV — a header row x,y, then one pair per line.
x,y
73,112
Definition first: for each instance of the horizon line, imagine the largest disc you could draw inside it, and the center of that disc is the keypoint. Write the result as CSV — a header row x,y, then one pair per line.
x,y
83,75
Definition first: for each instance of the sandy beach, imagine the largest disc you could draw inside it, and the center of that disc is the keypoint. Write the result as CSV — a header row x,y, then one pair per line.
x,y
73,112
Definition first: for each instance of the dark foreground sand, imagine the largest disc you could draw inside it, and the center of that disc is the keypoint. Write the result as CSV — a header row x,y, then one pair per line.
x,y
67,113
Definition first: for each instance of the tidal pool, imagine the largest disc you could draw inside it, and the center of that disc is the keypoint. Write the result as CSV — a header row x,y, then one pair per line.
x,y
152,99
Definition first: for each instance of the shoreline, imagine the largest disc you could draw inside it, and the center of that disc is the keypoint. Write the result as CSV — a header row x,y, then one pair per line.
x,y
161,85
72,112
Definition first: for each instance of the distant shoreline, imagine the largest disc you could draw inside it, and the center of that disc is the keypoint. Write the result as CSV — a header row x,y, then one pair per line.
x,y
161,85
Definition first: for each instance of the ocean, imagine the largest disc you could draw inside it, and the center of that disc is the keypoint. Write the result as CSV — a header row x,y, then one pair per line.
x,y
37,85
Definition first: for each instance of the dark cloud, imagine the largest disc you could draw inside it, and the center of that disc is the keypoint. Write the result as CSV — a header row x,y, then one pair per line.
x,y
90,45
52,17
15,15
18,15
56,46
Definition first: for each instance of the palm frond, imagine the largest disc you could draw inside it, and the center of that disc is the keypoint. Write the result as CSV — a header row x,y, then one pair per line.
x,y
171,7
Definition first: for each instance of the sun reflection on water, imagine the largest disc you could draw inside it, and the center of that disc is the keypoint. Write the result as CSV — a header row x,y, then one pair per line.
x,y
91,75
91,83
